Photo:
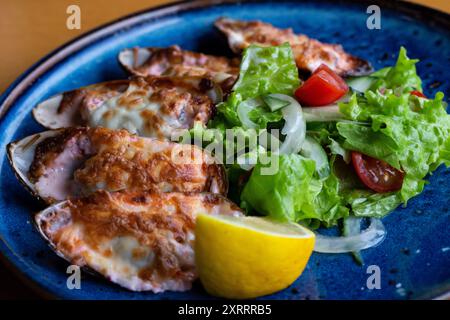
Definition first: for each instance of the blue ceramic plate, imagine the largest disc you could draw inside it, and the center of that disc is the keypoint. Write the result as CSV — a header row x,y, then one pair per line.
x,y
414,259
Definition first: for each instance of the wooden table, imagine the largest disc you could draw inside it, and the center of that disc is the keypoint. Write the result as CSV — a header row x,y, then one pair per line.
x,y
29,29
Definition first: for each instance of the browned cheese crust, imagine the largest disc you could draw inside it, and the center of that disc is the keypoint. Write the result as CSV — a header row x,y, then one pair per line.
x,y
308,53
116,160
84,231
173,61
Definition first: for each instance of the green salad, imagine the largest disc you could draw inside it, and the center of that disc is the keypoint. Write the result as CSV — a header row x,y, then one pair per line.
x,y
358,157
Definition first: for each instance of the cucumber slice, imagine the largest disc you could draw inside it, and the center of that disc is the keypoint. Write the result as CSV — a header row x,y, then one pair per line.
x,y
311,149
360,84
322,114
274,103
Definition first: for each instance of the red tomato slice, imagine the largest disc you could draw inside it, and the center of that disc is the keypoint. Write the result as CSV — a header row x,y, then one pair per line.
x,y
322,88
418,94
377,174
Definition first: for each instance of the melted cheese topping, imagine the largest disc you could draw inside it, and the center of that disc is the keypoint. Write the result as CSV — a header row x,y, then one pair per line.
x,y
142,241
123,111
79,161
156,107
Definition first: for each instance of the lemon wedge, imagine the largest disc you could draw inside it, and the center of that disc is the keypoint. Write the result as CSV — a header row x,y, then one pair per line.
x,y
248,257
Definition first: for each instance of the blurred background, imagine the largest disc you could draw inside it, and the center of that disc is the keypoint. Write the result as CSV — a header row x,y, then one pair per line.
x,y
29,29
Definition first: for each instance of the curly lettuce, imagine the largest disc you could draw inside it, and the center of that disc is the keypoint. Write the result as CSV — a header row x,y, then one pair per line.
x,y
264,70
294,192
409,133
403,75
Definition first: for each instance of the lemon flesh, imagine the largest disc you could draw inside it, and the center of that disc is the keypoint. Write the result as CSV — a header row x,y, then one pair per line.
x,y
248,257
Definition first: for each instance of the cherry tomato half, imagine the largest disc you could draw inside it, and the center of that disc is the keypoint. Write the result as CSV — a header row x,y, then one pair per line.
x,y
418,94
322,88
377,174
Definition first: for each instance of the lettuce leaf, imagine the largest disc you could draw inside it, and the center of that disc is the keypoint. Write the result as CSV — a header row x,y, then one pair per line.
x,y
262,116
294,193
336,148
280,195
324,202
403,75
263,70
365,203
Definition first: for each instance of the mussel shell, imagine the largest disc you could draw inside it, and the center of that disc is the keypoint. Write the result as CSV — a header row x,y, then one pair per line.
x,y
40,218
21,154
127,59
46,113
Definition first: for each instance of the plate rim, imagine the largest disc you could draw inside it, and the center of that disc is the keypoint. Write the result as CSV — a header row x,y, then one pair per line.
x,y
26,80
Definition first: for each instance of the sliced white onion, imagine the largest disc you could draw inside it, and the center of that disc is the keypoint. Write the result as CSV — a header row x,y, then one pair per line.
x,y
325,113
368,238
352,226
244,109
294,127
